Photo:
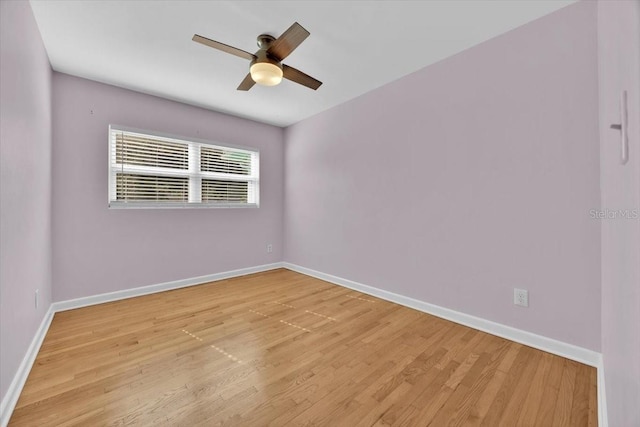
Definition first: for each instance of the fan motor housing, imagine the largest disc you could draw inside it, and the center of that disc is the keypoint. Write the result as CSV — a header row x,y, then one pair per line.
x,y
263,56
265,40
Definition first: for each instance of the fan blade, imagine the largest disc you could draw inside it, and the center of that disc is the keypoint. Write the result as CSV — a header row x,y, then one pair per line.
x,y
223,47
247,83
288,41
299,77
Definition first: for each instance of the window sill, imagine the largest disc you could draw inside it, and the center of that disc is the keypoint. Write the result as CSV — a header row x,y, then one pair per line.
x,y
169,205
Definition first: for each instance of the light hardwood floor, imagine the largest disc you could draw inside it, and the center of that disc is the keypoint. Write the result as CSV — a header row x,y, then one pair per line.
x,y
280,348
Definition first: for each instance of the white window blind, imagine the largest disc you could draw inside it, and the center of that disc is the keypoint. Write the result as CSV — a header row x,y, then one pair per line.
x,y
152,170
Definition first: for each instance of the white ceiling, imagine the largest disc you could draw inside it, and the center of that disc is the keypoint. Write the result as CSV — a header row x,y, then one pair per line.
x,y
354,47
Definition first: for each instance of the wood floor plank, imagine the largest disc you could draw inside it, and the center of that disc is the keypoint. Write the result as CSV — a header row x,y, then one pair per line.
x,y
547,407
562,414
536,391
484,402
580,404
281,348
449,413
518,399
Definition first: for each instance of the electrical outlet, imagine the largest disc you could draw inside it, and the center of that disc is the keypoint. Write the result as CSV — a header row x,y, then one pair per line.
x,y
521,297
269,248
36,298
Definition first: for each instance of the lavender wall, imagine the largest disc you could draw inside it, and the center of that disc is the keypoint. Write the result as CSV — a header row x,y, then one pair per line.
x,y
619,60
25,184
97,250
463,180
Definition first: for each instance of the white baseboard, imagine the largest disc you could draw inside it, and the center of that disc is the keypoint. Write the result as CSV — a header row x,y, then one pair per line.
x,y
603,417
20,378
550,345
161,287
13,393
579,354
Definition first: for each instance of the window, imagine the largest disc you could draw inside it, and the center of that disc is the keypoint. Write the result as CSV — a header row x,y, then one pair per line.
x,y
149,170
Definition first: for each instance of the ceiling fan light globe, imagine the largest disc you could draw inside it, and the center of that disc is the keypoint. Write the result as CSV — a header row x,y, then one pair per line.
x,y
266,74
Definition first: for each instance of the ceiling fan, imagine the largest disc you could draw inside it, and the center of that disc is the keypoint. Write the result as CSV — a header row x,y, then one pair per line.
x,y
266,67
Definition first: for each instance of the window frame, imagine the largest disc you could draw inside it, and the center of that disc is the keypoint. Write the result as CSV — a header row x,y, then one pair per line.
x,y
194,173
